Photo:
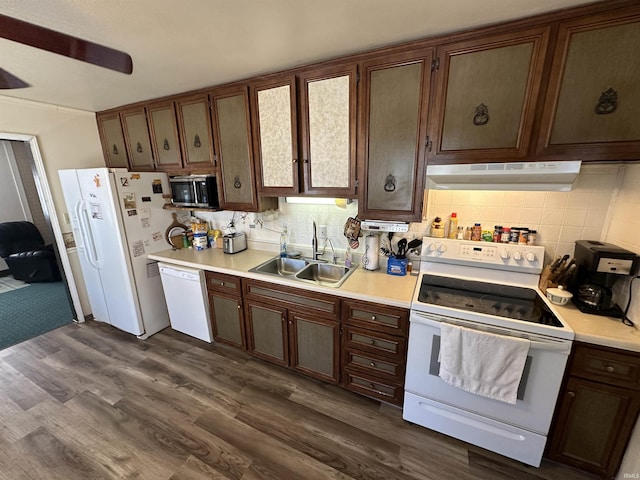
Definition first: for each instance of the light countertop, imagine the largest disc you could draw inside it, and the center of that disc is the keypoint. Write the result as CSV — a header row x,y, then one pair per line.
x,y
370,286
378,287
599,330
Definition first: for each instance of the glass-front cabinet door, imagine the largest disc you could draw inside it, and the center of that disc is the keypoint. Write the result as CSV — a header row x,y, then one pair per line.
x,y
486,95
232,134
328,130
394,102
593,102
136,136
275,135
115,153
164,135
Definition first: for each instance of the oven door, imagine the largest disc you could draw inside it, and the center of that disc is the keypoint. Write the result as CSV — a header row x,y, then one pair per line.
x,y
538,390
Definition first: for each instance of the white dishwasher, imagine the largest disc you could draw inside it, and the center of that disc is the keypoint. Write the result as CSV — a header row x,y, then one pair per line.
x,y
186,297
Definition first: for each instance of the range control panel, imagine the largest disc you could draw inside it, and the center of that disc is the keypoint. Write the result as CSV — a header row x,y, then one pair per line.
x,y
505,256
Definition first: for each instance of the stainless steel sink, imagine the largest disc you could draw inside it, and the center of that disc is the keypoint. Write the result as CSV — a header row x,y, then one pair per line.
x,y
326,274
304,270
283,267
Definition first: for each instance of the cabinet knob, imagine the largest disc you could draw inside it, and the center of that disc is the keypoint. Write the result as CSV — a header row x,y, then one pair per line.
x,y
372,341
609,369
373,364
165,145
238,307
373,317
290,322
371,385
295,160
571,394
222,284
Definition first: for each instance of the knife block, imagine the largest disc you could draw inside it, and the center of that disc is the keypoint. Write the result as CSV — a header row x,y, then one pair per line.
x,y
544,282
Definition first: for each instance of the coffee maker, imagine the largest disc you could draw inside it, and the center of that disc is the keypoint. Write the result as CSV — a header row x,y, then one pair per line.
x,y
600,264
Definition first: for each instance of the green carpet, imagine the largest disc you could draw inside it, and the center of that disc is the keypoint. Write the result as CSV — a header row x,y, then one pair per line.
x,y
29,312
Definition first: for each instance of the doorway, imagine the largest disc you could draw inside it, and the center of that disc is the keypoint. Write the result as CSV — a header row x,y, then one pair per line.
x,y
30,309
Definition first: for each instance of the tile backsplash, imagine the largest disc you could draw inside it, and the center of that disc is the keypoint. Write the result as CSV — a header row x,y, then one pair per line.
x,y
603,206
560,218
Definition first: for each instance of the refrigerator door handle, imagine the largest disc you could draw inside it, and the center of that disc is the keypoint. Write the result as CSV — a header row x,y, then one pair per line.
x,y
87,237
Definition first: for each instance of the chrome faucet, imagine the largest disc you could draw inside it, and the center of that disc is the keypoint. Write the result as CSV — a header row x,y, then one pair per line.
x,y
334,256
314,243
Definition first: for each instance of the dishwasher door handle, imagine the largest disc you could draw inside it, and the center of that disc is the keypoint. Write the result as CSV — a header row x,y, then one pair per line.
x,y
191,275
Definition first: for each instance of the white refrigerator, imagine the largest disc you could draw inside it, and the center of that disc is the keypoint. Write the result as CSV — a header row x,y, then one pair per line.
x,y
117,219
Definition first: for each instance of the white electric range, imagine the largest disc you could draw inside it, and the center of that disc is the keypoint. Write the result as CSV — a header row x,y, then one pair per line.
x,y
491,287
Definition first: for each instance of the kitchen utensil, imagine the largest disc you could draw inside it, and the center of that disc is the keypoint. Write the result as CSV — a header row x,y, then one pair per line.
x,y
402,248
558,296
173,234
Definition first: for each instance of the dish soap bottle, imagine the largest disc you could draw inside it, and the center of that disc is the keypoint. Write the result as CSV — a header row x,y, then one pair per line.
x,y
453,225
283,243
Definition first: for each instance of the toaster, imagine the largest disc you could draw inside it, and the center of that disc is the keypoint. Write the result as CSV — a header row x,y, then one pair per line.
x,y
234,243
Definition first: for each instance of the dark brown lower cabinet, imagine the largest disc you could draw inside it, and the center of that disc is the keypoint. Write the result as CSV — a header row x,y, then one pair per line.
x,y
294,328
597,410
374,349
225,307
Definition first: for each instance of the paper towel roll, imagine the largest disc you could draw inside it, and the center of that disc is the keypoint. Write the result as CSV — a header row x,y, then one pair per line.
x,y
370,259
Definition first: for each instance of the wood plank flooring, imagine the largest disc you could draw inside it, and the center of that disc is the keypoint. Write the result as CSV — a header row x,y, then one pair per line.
x,y
90,402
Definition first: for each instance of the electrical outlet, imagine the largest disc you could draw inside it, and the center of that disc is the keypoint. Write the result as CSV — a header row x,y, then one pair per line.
x,y
322,231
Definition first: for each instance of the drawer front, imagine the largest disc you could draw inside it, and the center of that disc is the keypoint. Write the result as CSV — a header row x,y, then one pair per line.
x,y
377,317
607,365
372,387
220,282
388,346
373,365
293,298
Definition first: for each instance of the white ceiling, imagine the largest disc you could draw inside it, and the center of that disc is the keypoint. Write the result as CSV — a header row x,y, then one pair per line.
x,y
182,45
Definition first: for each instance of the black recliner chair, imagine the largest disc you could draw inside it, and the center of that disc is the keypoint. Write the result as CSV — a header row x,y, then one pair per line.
x,y
28,258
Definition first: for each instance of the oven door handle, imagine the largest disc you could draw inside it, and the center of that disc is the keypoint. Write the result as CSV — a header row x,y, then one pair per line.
x,y
535,341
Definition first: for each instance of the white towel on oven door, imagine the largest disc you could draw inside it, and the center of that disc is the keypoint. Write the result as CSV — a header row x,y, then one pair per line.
x,y
482,363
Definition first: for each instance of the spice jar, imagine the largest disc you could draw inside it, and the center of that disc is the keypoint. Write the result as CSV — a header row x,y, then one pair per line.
x,y
504,236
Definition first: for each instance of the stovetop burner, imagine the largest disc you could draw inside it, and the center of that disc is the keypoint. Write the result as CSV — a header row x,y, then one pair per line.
x,y
516,303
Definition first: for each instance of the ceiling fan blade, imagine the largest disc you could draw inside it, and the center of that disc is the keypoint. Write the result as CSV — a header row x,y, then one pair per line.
x,y
8,80
63,44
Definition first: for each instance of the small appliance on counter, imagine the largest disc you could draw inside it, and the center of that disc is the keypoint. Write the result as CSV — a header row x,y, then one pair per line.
x,y
234,243
599,266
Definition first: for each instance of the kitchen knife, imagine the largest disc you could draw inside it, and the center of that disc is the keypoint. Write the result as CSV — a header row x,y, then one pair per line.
x,y
555,263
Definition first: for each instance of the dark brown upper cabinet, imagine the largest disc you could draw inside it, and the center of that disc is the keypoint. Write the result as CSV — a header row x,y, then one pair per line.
x,y
485,99
394,100
110,130
194,127
163,130
275,135
323,162
591,110
232,136
136,137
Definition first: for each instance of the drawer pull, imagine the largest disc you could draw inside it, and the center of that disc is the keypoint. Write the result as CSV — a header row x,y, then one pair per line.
x,y
571,394
609,369
373,364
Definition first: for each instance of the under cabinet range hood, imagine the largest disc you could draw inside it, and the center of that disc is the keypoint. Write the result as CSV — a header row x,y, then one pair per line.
x,y
532,176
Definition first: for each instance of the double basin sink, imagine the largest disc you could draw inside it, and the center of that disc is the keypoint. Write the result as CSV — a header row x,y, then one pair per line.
x,y
303,270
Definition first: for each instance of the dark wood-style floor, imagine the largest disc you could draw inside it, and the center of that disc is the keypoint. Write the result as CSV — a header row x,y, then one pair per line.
x,y
88,402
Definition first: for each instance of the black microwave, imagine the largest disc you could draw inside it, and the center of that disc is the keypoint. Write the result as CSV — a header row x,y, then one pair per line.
x,y
194,191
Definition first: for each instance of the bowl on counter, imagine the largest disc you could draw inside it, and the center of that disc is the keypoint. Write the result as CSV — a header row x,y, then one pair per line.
x,y
558,296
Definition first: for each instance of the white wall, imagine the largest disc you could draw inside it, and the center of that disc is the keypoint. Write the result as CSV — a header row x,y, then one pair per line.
x,y
67,138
